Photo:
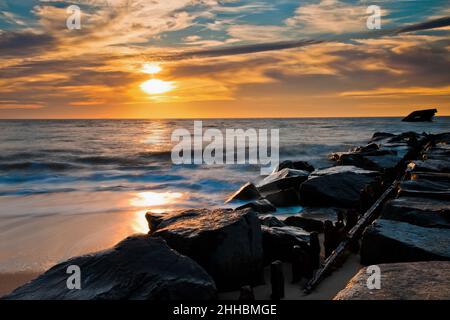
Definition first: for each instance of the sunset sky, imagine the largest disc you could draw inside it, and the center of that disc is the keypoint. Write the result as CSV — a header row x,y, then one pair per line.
x,y
211,58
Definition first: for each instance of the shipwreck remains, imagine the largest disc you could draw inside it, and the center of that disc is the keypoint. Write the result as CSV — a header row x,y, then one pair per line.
x,y
421,116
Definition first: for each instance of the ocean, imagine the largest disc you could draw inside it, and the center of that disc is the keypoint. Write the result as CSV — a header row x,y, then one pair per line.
x,y
69,187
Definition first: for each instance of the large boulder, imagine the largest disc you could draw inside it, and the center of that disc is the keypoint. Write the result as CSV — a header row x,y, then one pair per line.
x,y
402,281
306,224
284,198
425,188
377,136
321,213
297,165
388,241
247,192
284,179
261,206
227,243
339,186
423,212
269,220
430,165
279,241
383,161
138,268
442,152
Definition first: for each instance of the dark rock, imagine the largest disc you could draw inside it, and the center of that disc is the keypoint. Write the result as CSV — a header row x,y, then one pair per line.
x,y
284,179
421,116
388,241
377,136
314,245
431,176
284,198
442,138
277,280
227,243
380,161
419,211
331,238
247,192
262,206
321,214
409,138
425,189
297,165
304,223
343,169
367,148
336,187
402,281
138,268
279,241
431,165
269,220
437,154
246,294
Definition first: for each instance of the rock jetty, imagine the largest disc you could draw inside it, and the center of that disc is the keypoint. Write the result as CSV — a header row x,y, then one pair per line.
x,y
198,253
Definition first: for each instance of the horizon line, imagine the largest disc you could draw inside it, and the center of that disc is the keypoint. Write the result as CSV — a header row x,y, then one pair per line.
x,y
221,118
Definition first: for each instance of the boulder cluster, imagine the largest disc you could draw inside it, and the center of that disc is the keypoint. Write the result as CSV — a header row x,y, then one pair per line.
x,y
410,242
197,253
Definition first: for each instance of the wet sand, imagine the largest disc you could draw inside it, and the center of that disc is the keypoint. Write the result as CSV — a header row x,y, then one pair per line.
x,y
327,289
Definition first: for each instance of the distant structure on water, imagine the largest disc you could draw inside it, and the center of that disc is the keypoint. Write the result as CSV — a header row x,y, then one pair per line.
x,y
421,116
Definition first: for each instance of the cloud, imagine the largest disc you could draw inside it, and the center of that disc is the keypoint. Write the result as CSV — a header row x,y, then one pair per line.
x,y
24,43
329,16
282,45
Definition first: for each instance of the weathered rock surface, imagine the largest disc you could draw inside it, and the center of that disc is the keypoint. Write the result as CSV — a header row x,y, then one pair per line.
x,y
438,153
423,212
442,138
262,206
386,155
425,188
247,192
387,241
283,179
138,268
278,242
338,187
306,224
431,176
227,243
430,165
402,281
297,165
321,214
284,198
269,220
343,169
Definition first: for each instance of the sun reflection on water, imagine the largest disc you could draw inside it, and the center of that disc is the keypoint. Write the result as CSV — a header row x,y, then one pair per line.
x,y
157,202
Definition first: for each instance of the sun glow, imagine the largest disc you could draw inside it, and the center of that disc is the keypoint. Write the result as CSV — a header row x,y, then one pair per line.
x,y
156,86
157,202
152,199
151,68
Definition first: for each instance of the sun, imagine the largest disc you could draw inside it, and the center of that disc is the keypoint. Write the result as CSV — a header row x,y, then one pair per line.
x,y
156,86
